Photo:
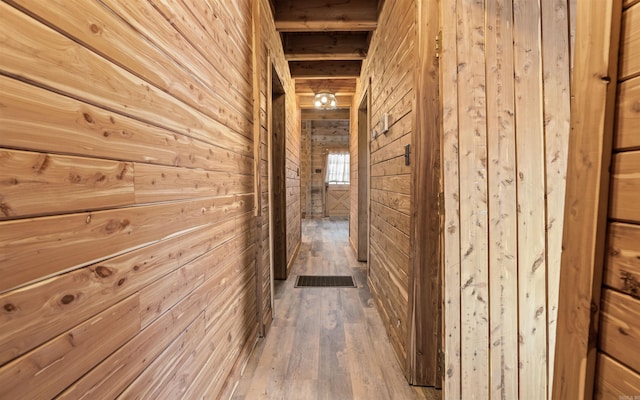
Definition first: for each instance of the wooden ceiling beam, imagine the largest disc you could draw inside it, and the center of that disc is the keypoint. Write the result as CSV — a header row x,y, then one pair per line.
x,y
326,26
336,86
313,114
326,15
325,46
325,69
306,100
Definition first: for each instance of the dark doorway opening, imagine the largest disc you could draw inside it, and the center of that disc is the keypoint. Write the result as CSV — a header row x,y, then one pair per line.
x,y
278,177
363,179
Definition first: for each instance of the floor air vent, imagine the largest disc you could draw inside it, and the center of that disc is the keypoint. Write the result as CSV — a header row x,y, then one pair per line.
x,y
343,281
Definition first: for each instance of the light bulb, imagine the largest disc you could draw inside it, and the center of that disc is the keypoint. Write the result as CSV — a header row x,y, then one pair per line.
x,y
318,104
333,103
324,99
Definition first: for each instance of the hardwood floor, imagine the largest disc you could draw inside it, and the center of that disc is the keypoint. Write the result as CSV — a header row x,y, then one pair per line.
x,y
326,343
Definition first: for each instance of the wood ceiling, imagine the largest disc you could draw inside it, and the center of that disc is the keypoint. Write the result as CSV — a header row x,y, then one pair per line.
x,y
325,42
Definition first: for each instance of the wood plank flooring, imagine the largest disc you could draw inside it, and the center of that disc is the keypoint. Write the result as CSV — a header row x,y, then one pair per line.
x,y
326,343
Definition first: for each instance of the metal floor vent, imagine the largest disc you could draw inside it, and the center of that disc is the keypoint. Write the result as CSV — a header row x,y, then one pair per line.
x,y
343,281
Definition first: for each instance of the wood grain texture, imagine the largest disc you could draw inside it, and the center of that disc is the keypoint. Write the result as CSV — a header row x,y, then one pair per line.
x,y
556,45
36,374
473,210
37,313
157,183
325,46
109,35
117,371
426,268
325,69
118,231
615,381
627,134
532,251
352,15
620,328
503,246
128,155
452,382
504,82
625,186
622,271
36,119
36,57
586,198
630,44
337,86
39,184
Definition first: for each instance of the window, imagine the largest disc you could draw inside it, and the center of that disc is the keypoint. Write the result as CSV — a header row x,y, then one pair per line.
x,y
338,168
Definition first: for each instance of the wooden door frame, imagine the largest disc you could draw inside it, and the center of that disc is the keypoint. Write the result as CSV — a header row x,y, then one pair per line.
x,y
273,207
364,129
586,202
270,67
257,214
425,288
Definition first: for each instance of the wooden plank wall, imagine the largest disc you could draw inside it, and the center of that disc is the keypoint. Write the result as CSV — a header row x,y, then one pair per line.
x,y
126,182
325,136
390,65
505,91
618,361
271,49
593,101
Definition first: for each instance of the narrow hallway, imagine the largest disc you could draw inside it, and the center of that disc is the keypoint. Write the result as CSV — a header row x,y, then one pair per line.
x,y
326,343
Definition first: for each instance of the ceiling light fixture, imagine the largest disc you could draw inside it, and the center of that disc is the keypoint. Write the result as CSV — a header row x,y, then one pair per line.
x,y
325,101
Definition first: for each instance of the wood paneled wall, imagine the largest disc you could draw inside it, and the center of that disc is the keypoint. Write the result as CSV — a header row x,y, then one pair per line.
x,y
127,247
272,55
390,65
598,346
618,363
505,91
320,137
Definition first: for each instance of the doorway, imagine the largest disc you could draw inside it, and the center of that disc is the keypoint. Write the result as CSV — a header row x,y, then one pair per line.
x,y
363,179
278,177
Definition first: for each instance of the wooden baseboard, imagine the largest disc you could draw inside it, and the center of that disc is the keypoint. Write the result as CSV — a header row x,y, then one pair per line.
x,y
268,319
293,257
353,247
239,366
385,323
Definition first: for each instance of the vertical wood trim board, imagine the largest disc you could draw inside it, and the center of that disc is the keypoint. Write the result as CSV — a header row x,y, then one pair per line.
x,y
503,218
592,121
556,55
532,252
452,385
257,164
607,348
426,329
474,241
355,166
505,104
270,177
